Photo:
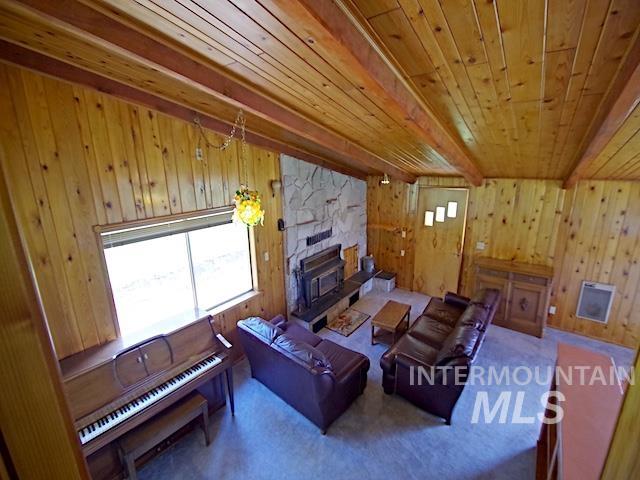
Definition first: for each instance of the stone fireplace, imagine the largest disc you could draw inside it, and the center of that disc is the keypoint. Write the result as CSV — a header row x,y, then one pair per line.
x,y
322,208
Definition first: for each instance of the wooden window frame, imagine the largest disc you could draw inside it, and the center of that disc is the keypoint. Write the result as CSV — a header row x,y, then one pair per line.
x,y
99,230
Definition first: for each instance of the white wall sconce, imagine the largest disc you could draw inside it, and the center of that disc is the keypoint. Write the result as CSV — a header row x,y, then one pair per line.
x,y
428,218
276,185
385,180
452,209
440,214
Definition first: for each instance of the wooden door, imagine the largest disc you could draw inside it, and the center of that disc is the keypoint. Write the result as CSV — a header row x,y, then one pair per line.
x,y
438,248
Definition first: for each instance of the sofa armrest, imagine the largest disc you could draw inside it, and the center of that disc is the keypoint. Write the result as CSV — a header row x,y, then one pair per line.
x,y
355,369
388,361
325,382
278,320
454,371
436,389
456,300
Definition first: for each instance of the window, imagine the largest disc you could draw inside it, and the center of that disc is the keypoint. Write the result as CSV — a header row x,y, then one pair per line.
x,y
166,269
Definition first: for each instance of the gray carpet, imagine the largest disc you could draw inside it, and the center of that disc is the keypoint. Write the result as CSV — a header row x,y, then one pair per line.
x,y
380,436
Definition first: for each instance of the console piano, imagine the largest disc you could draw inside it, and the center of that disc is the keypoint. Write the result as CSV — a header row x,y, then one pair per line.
x,y
115,387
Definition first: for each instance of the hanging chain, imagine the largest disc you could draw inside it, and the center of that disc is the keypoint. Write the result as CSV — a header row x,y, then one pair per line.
x,y
239,122
243,143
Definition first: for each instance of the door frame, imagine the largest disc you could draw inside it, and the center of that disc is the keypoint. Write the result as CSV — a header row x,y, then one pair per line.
x,y
420,222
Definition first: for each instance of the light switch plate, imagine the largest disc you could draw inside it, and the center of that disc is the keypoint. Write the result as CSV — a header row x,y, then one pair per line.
x,y
402,253
404,234
481,245
552,309
266,256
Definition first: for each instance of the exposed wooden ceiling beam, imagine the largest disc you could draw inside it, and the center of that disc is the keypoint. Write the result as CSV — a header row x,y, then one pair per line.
x,y
141,47
620,110
37,62
337,28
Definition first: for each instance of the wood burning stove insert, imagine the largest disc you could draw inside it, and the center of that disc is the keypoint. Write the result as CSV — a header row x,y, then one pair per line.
x,y
321,274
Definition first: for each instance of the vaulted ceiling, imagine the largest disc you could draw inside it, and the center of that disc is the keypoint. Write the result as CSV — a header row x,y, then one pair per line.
x,y
509,88
520,82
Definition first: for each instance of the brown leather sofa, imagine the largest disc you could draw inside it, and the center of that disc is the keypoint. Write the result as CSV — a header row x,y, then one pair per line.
x,y
317,377
444,341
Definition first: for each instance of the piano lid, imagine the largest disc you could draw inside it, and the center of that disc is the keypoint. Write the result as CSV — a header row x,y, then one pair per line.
x,y
93,357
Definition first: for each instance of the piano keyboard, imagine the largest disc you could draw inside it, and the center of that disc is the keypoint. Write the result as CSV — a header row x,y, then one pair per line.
x,y
135,406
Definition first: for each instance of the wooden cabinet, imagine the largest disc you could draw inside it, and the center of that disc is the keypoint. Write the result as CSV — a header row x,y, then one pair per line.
x,y
526,290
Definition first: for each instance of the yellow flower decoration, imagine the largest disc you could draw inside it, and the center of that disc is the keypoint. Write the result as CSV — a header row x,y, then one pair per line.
x,y
248,209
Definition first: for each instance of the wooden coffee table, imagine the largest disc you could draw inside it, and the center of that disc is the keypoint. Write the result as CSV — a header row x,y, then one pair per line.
x,y
391,320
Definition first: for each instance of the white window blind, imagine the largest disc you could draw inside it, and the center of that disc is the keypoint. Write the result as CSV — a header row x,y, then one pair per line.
x,y
126,236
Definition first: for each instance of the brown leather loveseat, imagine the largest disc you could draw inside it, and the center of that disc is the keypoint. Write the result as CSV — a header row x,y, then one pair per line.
x,y
317,377
429,365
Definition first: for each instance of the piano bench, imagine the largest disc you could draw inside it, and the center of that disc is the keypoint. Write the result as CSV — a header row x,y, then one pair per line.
x,y
143,438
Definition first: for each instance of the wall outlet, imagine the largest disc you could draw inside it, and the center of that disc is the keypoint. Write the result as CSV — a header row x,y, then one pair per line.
x,y
481,245
552,310
199,154
404,234
402,253
266,256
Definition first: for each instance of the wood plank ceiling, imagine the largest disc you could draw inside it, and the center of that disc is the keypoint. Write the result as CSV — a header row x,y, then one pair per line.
x,y
524,83
405,87
620,158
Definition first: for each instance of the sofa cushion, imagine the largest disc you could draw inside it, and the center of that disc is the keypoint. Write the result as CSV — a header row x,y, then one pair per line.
x,y
343,361
410,347
487,297
278,320
443,312
308,355
461,342
451,298
267,331
295,331
476,316
430,331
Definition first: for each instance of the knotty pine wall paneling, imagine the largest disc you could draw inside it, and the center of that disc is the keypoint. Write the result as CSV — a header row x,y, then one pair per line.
x,y
76,158
38,438
500,214
600,241
591,232
516,220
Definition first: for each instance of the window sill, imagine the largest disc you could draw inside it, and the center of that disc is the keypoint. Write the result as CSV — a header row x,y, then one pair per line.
x,y
245,297
180,321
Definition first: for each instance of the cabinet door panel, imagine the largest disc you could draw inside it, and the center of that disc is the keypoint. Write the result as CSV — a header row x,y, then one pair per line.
x,y
527,304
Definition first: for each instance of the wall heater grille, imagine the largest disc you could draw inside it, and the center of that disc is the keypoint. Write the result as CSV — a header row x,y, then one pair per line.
x,y
595,301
